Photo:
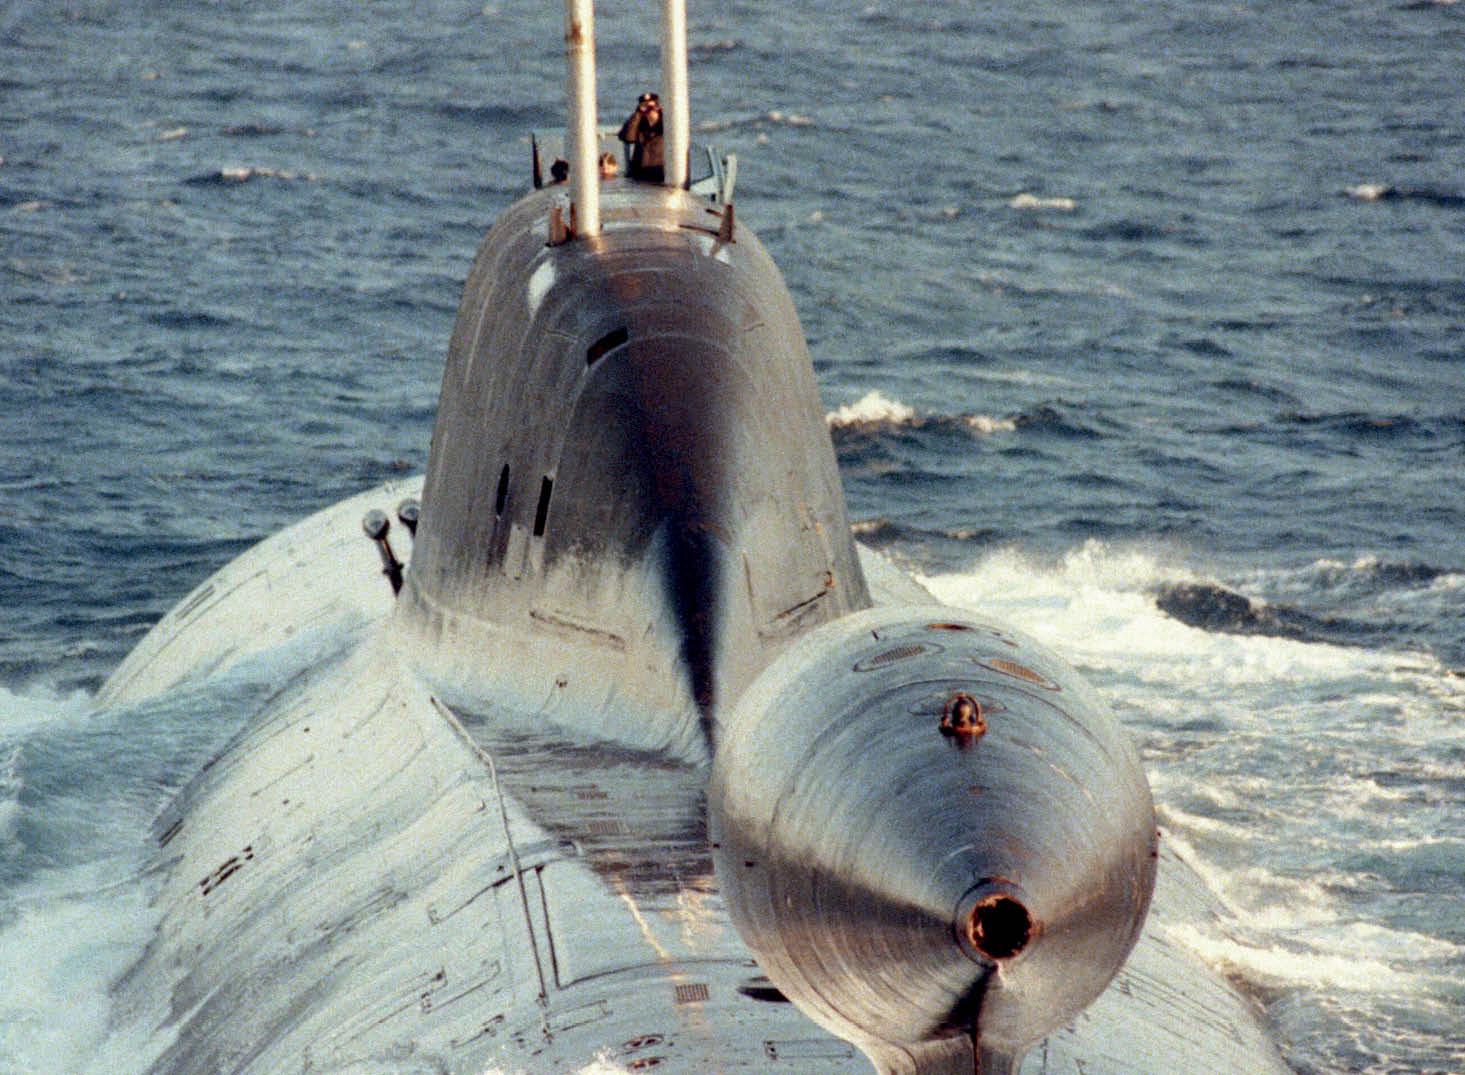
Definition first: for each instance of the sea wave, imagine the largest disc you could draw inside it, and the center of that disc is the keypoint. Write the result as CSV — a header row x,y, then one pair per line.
x,y
1039,203
1382,192
1097,604
1375,569
1262,749
1277,965
25,713
1213,607
712,48
874,411
881,532
235,174
773,117
11,786
1281,932
60,949
71,918
1361,424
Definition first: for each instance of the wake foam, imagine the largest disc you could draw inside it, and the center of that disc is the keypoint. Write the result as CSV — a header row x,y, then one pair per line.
x,y
1036,203
1382,192
60,947
874,411
67,927
1097,605
234,175
79,788
873,408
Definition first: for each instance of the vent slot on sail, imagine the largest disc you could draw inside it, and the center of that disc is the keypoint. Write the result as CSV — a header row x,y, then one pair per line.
x,y
541,513
606,344
501,498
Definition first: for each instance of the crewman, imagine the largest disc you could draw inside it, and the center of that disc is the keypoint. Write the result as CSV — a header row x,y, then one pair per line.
x,y
642,132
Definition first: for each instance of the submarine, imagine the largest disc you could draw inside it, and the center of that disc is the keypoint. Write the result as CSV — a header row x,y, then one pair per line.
x,y
635,758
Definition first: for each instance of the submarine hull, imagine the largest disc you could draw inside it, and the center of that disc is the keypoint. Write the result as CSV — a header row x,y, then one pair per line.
x,y
337,891
634,758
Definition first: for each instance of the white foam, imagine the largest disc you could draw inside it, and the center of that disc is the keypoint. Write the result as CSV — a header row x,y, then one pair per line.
x,y
1447,583
1276,966
58,958
1034,203
1174,818
790,119
1096,607
987,425
11,786
244,173
23,714
75,914
1370,192
874,408
870,409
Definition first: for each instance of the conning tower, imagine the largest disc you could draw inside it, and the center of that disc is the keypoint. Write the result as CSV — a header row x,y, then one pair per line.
x,y
630,462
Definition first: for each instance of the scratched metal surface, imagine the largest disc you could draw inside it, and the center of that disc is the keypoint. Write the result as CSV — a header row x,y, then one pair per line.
x,y
480,834
860,836
394,901
347,873
631,452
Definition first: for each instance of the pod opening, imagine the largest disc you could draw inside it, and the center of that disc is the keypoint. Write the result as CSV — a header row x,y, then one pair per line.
x,y
999,926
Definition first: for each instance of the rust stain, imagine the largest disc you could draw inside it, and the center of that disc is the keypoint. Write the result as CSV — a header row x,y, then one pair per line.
x,y
890,656
1000,927
232,865
641,1041
1019,671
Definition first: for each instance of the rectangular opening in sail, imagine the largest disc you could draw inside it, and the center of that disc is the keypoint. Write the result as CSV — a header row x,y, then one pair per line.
x,y
603,346
541,513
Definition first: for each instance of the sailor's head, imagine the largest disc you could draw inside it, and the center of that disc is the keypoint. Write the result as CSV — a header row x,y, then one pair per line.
x,y
559,171
648,102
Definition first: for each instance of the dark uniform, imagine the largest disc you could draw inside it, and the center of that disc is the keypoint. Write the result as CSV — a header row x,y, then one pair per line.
x,y
642,132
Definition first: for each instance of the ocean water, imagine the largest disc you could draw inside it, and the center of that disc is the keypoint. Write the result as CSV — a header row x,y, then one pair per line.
x,y
1140,325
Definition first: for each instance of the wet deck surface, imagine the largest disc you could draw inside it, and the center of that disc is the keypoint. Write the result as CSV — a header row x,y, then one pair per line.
x,y
638,820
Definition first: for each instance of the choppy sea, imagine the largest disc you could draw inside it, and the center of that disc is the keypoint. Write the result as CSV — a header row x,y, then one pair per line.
x,y
1140,325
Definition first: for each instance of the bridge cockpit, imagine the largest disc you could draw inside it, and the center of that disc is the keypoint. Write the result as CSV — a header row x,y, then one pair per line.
x,y
710,174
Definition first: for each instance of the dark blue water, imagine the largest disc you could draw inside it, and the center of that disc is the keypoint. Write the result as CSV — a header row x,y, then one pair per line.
x,y
1141,325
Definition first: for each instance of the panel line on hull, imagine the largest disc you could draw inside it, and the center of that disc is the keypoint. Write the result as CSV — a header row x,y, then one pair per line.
x,y
487,758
